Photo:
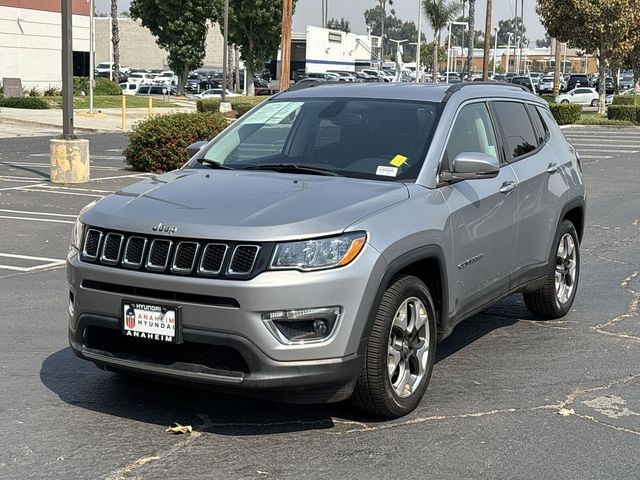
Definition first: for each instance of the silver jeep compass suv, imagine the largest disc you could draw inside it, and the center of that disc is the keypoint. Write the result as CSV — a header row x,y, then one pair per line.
x,y
320,246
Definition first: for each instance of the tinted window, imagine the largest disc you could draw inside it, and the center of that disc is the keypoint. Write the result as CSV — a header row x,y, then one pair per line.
x,y
472,132
518,135
143,90
541,130
583,90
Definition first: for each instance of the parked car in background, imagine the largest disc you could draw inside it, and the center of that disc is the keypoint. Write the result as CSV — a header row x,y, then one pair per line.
x,y
608,85
166,78
535,77
499,77
215,93
104,67
525,82
129,88
324,76
580,96
577,80
376,73
609,98
626,82
156,90
345,76
141,78
545,85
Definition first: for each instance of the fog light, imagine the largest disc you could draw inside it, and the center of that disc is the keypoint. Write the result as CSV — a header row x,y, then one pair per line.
x,y
302,325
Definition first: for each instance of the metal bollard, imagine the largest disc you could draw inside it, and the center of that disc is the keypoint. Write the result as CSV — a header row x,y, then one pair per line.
x,y
124,112
150,107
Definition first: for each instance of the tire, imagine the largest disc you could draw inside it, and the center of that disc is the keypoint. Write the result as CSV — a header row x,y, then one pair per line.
x,y
374,392
547,301
595,103
564,101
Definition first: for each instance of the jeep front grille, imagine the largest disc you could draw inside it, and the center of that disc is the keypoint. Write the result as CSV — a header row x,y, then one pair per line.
x,y
173,256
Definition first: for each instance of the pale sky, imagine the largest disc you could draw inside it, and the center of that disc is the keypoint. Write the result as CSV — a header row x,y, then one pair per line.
x,y
308,12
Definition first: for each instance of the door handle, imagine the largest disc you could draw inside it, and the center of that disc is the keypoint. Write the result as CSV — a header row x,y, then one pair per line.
x,y
508,187
553,168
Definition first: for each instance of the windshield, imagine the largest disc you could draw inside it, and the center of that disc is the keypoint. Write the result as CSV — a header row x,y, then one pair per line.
x,y
362,138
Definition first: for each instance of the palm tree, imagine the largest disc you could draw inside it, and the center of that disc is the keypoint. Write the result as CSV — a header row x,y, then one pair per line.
x,y
115,39
439,13
470,37
383,15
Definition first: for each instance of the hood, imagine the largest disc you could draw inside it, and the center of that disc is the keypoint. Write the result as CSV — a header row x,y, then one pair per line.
x,y
242,205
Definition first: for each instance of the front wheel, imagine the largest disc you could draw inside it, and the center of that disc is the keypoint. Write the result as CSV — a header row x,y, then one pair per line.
x,y
595,103
400,350
555,297
564,101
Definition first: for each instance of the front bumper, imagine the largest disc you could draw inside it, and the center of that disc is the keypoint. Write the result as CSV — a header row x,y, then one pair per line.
x,y
314,372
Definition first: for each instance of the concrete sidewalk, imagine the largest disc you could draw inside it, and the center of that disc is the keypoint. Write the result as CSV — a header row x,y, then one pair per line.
x,y
108,120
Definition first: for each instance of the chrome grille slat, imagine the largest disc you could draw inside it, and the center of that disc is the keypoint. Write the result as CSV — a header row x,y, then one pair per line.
x,y
184,257
111,248
158,256
168,256
134,252
243,259
212,259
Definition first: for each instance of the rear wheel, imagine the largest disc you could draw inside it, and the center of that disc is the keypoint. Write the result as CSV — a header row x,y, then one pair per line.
x,y
564,101
595,102
400,351
555,297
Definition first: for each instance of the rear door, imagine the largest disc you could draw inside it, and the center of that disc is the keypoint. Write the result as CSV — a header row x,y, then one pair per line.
x,y
483,212
526,148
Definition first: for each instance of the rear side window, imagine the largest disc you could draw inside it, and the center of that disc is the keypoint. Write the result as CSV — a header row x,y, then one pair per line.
x,y
518,135
540,128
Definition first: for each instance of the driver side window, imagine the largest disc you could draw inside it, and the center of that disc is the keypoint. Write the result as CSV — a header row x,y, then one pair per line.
x,y
472,132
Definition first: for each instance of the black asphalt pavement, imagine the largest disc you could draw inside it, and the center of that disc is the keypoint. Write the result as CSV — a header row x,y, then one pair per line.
x,y
511,397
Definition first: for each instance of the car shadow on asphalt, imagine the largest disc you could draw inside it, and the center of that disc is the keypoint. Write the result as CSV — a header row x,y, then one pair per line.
x,y
81,384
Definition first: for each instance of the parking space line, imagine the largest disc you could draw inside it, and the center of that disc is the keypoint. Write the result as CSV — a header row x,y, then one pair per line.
x,y
73,189
15,178
135,175
6,210
48,190
30,257
609,150
595,156
41,164
51,220
21,187
57,263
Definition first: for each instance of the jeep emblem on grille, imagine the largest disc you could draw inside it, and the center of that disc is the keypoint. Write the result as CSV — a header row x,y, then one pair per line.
x,y
165,228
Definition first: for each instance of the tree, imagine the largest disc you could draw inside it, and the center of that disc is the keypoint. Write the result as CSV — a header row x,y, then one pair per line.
x,y
115,40
426,54
459,36
604,28
505,27
180,27
470,37
439,13
396,29
383,14
342,24
545,42
255,27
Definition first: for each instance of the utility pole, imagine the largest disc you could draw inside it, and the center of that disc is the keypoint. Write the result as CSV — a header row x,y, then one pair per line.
x,y
495,49
285,46
91,56
225,52
487,41
556,76
67,70
418,67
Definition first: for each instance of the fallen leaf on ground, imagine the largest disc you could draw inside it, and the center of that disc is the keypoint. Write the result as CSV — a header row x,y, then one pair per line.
x,y
176,428
565,412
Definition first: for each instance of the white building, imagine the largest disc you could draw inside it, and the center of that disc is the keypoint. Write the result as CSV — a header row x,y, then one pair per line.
x,y
31,41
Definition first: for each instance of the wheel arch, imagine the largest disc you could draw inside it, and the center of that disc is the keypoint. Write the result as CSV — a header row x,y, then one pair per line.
x,y
574,212
428,264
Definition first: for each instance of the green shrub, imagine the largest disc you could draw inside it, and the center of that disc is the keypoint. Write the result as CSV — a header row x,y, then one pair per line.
x,y
630,113
80,86
625,100
565,113
52,92
32,92
34,103
104,86
208,105
159,144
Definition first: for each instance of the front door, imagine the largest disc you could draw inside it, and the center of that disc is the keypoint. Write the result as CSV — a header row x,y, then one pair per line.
x,y
484,215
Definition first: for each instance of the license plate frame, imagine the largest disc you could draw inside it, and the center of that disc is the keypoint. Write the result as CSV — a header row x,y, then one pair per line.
x,y
150,332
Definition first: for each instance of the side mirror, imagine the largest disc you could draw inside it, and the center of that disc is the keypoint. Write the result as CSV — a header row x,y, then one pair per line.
x,y
195,148
473,165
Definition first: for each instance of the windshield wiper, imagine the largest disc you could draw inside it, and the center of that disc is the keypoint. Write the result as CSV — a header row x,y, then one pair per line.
x,y
213,164
292,167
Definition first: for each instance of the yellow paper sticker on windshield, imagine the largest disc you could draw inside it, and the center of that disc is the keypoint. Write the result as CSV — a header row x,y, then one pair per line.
x,y
398,160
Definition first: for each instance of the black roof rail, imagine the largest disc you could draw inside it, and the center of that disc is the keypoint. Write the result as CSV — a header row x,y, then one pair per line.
x,y
459,86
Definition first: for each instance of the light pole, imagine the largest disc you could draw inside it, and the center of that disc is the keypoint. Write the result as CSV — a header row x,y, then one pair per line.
x,y
285,47
225,52
495,49
506,67
418,68
91,56
465,25
564,60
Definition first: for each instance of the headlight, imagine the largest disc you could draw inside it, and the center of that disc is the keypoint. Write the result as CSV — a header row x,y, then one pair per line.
x,y
318,254
78,233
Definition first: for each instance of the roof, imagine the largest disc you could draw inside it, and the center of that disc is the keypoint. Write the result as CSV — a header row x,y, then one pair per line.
x,y
427,92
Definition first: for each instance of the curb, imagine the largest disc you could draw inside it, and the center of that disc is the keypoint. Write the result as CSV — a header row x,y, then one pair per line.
x,y
18,121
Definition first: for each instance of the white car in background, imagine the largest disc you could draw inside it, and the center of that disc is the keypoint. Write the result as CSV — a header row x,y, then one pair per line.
x,y
214,93
141,78
166,78
580,96
129,88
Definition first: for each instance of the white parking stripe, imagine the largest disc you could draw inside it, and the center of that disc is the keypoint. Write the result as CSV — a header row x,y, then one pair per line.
x,y
594,156
73,189
39,164
30,257
37,219
58,263
38,213
607,150
48,190
21,187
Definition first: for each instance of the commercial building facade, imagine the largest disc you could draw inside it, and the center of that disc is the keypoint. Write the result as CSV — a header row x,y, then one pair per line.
x,y
31,41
